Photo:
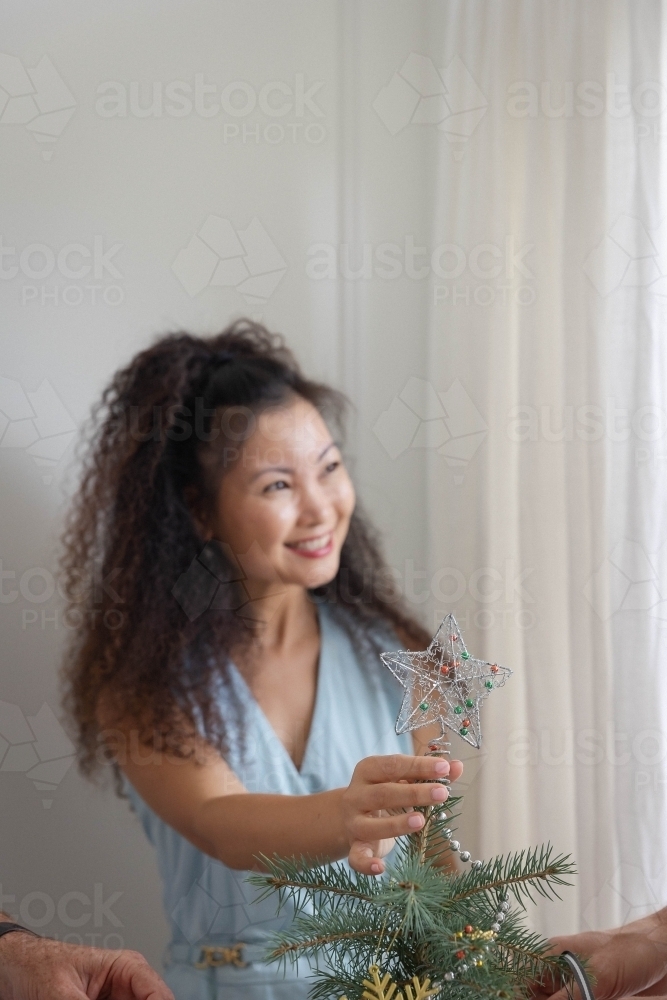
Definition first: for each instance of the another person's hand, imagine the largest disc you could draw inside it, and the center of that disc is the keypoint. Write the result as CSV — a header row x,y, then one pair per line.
x,y
378,804
626,962
33,968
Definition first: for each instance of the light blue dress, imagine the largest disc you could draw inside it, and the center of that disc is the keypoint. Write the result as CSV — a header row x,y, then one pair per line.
x,y
208,903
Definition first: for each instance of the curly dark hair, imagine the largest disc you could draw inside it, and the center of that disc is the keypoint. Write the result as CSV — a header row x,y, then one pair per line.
x,y
155,610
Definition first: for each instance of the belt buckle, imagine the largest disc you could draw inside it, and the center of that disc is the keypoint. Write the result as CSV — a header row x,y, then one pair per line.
x,y
213,956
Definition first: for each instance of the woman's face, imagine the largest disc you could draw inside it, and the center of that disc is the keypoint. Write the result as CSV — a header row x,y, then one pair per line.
x,y
284,506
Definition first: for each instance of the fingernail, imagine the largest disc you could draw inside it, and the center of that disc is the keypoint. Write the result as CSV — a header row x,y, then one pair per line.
x,y
442,767
376,869
439,794
416,821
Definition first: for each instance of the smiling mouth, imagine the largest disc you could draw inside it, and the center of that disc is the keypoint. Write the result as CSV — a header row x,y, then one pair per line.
x,y
313,548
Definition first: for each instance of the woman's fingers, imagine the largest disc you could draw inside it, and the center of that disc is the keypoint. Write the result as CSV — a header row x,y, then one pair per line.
x,y
380,802
364,859
374,828
455,770
397,766
402,796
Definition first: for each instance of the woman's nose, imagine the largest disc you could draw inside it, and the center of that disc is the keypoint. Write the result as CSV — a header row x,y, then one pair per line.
x,y
315,505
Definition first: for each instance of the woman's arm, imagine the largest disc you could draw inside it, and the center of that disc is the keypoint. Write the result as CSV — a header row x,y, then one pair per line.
x,y
204,800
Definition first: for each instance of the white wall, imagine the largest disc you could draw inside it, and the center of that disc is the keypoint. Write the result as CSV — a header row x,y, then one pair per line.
x,y
145,185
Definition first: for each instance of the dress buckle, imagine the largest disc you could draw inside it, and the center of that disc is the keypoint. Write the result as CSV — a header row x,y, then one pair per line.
x,y
214,956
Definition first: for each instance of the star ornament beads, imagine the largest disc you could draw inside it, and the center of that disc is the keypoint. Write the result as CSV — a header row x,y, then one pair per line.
x,y
444,684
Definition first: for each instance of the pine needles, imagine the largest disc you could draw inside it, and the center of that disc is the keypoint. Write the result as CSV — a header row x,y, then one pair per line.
x,y
419,921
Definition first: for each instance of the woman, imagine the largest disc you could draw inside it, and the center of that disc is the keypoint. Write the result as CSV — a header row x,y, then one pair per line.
x,y
228,661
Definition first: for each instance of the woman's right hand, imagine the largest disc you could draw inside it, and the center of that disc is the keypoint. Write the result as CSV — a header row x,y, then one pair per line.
x,y
378,803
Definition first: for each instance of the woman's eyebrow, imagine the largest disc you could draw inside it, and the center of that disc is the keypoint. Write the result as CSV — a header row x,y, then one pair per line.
x,y
287,468
272,468
332,444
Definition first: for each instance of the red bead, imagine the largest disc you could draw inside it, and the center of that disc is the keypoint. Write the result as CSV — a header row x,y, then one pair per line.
x,y
460,954
433,746
444,669
468,928
494,669
453,637
466,723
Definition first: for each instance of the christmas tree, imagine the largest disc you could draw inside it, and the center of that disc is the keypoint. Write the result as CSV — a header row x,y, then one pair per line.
x,y
426,928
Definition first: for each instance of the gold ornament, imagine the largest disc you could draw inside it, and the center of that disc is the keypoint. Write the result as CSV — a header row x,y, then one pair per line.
x,y
381,987
421,990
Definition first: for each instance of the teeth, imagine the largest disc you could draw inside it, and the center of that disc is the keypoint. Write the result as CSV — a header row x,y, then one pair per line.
x,y
314,545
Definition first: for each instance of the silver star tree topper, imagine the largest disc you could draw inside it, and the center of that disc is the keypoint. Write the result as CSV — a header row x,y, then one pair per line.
x,y
444,684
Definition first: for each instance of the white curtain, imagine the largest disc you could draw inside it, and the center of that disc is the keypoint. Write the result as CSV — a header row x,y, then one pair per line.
x,y
546,490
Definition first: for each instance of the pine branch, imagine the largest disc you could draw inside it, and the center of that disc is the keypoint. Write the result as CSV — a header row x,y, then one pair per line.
x,y
298,878
418,890
522,873
359,932
526,954
314,944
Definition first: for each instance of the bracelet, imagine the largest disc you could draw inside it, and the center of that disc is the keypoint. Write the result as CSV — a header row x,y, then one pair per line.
x,y
7,927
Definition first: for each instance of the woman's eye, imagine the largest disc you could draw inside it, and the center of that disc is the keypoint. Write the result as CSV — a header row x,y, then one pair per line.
x,y
331,466
280,484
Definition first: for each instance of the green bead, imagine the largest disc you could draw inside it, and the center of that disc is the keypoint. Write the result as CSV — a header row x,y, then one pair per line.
x,y
458,709
424,706
488,684
465,656
463,731
469,703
